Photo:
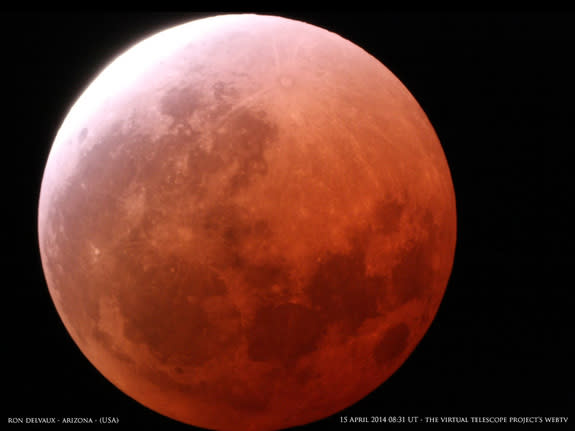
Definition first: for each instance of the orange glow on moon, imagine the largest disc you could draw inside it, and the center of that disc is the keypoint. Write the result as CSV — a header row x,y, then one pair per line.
x,y
247,223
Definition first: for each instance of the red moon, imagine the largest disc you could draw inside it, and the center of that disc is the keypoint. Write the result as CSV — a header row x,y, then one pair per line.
x,y
246,223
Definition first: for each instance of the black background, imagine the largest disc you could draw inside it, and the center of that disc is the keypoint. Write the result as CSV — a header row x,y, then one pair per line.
x,y
496,89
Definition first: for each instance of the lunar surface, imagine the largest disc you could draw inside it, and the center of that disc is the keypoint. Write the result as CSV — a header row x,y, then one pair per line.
x,y
246,223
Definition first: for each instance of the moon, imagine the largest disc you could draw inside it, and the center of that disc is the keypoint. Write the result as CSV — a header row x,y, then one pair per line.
x,y
246,222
